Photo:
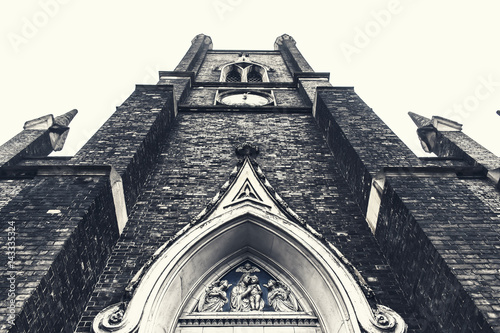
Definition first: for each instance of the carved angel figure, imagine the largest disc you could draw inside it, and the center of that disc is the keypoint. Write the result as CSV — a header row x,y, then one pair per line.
x,y
280,297
214,297
247,269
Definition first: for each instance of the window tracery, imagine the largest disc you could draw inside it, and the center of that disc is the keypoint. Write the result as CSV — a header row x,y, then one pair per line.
x,y
254,76
244,72
234,75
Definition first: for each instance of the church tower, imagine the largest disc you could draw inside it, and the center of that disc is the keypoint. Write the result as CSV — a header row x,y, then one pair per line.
x,y
245,193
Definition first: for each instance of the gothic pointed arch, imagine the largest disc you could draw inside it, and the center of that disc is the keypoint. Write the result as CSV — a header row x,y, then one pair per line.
x,y
255,74
245,70
233,73
245,231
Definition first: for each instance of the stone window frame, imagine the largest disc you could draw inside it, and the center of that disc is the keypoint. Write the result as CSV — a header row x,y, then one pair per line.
x,y
244,68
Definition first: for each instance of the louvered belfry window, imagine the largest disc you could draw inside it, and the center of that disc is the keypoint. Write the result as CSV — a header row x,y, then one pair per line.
x,y
244,72
254,76
233,76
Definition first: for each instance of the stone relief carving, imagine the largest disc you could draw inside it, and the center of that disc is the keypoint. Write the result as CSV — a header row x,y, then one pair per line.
x,y
386,319
280,297
214,297
247,269
247,294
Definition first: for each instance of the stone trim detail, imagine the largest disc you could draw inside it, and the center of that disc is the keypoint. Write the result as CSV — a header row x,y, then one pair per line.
x,y
220,322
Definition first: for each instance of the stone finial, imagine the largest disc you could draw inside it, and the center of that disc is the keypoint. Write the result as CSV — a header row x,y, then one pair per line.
x,y
279,41
58,132
419,120
65,119
206,39
40,137
440,123
426,132
247,149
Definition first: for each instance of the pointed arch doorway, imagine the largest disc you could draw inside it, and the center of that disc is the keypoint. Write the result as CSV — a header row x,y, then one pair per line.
x,y
247,222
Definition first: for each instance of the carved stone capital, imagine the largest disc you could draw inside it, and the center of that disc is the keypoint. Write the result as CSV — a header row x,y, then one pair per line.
x,y
247,149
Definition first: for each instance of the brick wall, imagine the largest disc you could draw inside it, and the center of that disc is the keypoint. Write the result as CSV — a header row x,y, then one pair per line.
x,y
26,143
61,255
208,71
63,238
442,241
361,142
129,140
196,160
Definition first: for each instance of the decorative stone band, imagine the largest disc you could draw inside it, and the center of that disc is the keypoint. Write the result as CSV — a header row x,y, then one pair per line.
x,y
210,322
384,320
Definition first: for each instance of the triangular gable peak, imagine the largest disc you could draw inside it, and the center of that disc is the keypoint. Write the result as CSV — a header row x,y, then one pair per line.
x,y
247,184
251,187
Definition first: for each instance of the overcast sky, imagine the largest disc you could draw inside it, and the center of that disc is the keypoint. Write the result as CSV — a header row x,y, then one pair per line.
x,y
429,57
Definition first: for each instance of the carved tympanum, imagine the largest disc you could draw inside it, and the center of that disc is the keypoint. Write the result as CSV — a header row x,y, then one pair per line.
x,y
247,294
280,297
214,297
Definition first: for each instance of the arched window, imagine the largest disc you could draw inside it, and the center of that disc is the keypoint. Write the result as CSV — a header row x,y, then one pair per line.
x,y
244,72
233,76
254,76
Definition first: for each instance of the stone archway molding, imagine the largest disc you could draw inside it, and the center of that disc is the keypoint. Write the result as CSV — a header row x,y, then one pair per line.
x,y
248,219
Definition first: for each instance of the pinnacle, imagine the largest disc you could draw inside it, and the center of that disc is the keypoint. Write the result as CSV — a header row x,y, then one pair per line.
x,y
419,120
66,118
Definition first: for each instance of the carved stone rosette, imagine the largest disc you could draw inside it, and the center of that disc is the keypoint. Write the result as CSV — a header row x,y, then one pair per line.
x,y
387,320
111,319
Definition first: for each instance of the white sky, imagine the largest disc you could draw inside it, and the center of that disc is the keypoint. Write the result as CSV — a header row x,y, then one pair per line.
x,y
429,57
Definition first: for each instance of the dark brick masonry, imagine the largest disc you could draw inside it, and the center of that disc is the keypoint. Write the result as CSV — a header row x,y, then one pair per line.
x,y
65,216
197,159
63,242
434,257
